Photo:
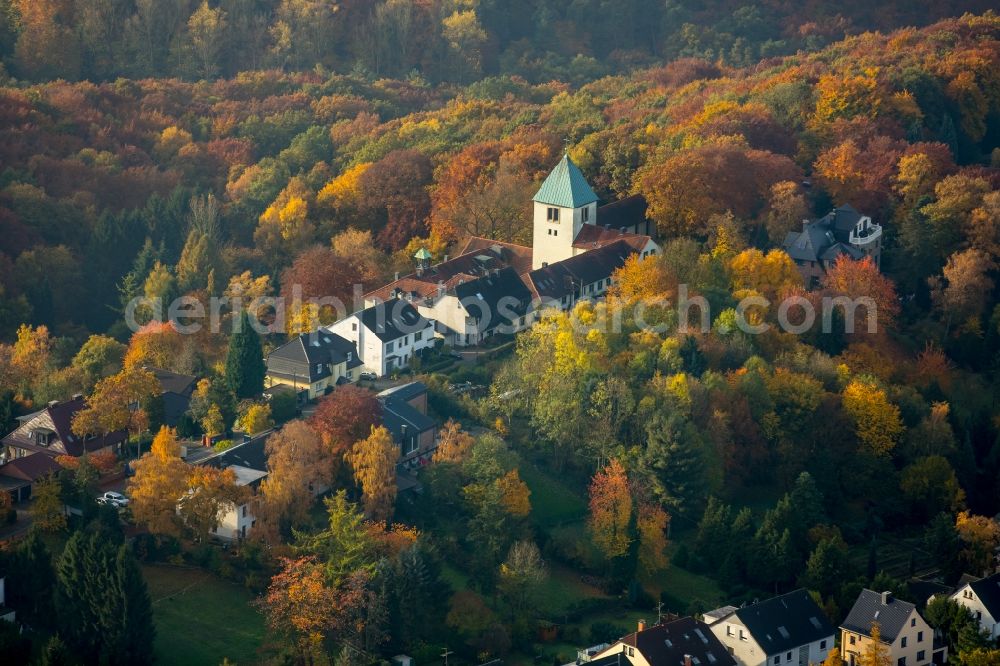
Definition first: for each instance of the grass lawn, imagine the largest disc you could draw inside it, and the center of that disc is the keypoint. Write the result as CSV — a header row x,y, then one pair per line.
x,y
563,588
201,619
551,501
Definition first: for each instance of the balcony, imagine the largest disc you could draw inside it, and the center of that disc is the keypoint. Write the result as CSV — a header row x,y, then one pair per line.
x,y
866,236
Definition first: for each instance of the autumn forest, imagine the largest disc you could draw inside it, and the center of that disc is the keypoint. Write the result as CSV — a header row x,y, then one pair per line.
x,y
583,476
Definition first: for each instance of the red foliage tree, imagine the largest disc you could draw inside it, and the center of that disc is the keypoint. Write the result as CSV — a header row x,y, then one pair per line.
x,y
319,273
395,189
346,416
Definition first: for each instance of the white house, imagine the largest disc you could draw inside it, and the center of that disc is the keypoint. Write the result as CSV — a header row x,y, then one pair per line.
x,y
238,520
248,460
788,630
6,614
982,598
387,334
681,642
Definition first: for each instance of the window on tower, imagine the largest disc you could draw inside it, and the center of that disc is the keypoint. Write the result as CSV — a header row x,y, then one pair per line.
x,y
553,215
586,214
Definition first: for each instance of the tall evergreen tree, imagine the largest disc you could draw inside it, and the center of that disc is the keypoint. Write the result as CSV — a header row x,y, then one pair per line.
x,y
103,605
245,367
673,461
29,587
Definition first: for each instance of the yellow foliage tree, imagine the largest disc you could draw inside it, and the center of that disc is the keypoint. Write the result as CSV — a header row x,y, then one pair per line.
x,y
256,419
514,494
29,358
980,537
651,524
877,421
454,444
344,190
47,511
772,274
159,482
213,424
115,403
847,96
374,462
876,653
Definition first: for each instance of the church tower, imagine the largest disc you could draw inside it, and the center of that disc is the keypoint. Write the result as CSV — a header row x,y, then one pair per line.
x,y
563,204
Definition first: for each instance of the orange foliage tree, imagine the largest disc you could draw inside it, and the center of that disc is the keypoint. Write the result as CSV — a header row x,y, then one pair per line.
x,y
610,510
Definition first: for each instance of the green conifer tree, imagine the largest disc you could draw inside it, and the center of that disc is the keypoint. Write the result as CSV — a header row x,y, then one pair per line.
x,y
245,367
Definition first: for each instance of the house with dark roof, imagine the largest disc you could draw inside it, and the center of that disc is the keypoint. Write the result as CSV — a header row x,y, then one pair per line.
x,y
681,642
787,630
404,414
469,298
982,598
248,461
19,475
584,276
175,392
28,453
387,334
908,638
841,232
313,363
49,431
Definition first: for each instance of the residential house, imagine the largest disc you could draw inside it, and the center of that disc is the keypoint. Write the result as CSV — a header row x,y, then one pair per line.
x,y
175,391
842,231
18,476
788,630
387,335
28,453
585,276
6,614
404,414
49,431
248,461
906,636
681,642
468,298
982,598
313,363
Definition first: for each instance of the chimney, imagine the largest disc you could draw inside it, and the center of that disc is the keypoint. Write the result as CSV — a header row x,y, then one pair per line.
x,y
886,598
687,660
78,396
53,403
446,257
642,625
397,276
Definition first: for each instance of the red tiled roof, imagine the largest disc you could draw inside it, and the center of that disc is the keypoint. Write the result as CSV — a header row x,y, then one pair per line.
x,y
592,237
516,256
478,258
30,467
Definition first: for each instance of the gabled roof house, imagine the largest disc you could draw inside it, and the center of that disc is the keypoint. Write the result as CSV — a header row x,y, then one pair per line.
x,y
789,629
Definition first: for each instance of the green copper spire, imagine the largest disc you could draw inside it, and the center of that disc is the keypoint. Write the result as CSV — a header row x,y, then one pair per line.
x,y
565,187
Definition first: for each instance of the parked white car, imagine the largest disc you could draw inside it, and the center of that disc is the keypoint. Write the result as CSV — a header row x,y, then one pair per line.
x,y
114,499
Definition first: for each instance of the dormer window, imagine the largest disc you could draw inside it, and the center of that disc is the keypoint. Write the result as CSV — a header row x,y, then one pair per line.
x,y
319,368
552,214
350,356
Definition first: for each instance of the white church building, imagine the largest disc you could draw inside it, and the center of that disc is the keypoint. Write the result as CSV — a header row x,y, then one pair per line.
x,y
492,287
